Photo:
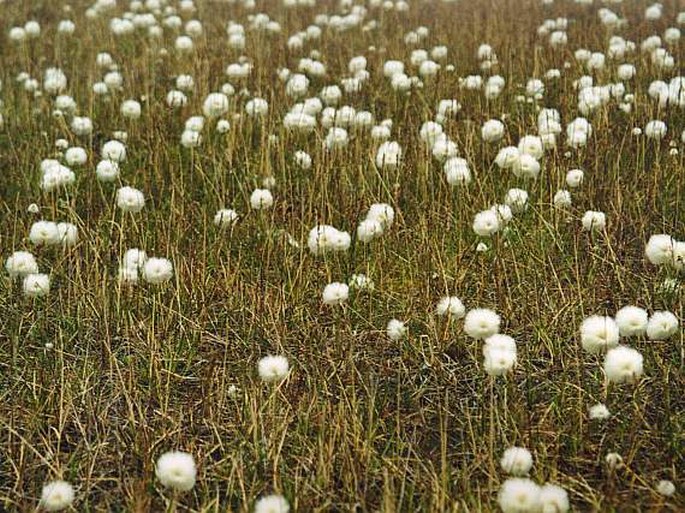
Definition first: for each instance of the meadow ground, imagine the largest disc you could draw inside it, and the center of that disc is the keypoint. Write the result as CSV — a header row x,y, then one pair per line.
x,y
110,358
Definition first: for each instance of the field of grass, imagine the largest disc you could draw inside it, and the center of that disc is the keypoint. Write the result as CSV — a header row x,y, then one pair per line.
x,y
123,360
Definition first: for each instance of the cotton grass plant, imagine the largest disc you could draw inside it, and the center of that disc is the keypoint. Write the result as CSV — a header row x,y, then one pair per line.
x,y
371,256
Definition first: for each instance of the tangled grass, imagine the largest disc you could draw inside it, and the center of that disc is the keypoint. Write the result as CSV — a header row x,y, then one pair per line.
x,y
99,377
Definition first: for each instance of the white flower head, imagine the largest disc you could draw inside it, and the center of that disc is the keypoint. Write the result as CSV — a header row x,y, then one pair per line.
x,y
36,285
383,213
396,329
175,99
498,362
185,82
56,496
625,71
553,499
430,131
451,306
662,325
176,470
391,68
107,171
226,218
158,270
457,171
361,282
134,258
389,155
481,323
325,238
331,95
486,223
113,150
184,44
68,234
303,160
598,333
223,126
444,149
535,88
623,365
297,85
660,249
191,139
272,504
656,130
56,176
299,121
261,199
54,81
517,461
21,263
531,145
594,221
194,123
335,293
631,321
492,130
599,411
507,157
44,232
215,105
368,230
574,178
130,109
128,275
517,200
499,342
665,488
75,156
130,199
256,107
504,213
519,495
613,460
527,166
562,199
17,34
273,369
